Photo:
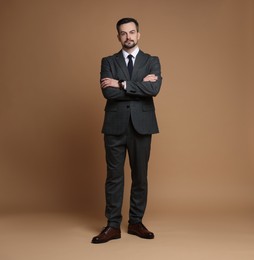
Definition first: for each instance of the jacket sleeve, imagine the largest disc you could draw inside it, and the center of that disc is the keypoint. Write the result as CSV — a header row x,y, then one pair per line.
x,y
146,89
111,93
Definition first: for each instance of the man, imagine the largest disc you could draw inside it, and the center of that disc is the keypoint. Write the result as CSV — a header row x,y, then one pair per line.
x,y
129,81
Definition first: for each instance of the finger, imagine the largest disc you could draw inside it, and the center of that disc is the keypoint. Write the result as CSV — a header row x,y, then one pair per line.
x,y
103,85
104,79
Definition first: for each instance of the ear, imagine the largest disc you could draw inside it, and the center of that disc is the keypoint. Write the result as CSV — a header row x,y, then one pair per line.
x,y
138,35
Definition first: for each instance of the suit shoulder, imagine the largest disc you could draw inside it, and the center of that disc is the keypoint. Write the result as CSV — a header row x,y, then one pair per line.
x,y
111,57
149,55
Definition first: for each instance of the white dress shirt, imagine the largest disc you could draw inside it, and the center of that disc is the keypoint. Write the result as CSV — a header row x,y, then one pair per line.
x,y
134,54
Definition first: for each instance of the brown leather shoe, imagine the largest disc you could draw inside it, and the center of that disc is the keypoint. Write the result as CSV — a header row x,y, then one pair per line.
x,y
107,234
140,230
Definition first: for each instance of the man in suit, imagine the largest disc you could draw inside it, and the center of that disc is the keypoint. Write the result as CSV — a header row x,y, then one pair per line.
x,y
129,81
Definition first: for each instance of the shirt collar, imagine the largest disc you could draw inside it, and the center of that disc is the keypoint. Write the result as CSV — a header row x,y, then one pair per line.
x,y
134,53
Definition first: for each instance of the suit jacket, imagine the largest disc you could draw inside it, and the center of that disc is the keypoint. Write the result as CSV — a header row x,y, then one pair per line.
x,y
136,102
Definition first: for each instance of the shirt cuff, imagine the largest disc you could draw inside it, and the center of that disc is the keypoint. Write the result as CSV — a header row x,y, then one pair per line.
x,y
124,85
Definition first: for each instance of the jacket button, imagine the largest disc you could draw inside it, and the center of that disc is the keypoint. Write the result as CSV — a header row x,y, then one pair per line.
x,y
128,106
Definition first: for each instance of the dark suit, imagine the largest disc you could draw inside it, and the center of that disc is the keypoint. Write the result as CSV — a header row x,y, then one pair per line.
x,y
128,125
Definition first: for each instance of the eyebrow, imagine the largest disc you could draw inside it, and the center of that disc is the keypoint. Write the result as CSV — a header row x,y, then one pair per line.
x,y
129,31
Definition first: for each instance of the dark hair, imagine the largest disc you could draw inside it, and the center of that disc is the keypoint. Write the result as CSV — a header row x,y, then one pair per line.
x,y
127,20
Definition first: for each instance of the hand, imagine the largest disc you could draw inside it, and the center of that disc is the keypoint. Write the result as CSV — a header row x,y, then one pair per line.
x,y
150,77
108,82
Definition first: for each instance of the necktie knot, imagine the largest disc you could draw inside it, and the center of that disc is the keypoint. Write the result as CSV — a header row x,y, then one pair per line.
x,y
130,64
130,57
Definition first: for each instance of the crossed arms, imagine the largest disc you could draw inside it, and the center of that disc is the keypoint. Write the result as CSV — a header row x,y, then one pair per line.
x,y
147,87
108,82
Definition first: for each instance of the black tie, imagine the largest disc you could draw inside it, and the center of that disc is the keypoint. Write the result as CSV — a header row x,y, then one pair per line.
x,y
130,64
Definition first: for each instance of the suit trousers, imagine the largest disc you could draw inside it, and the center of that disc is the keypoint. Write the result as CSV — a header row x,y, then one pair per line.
x,y
138,148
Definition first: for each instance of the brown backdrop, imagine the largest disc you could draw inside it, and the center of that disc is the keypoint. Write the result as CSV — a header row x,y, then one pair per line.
x,y
51,107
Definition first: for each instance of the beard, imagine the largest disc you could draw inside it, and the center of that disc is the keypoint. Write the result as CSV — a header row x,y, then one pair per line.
x,y
130,44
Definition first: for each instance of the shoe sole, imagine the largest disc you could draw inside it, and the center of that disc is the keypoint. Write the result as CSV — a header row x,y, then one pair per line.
x,y
136,234
101,242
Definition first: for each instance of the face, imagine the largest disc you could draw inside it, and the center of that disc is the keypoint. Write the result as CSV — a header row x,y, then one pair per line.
x,y
128,36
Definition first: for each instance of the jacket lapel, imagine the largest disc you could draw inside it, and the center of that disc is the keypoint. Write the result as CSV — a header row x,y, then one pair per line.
x,y
121,62
139,63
